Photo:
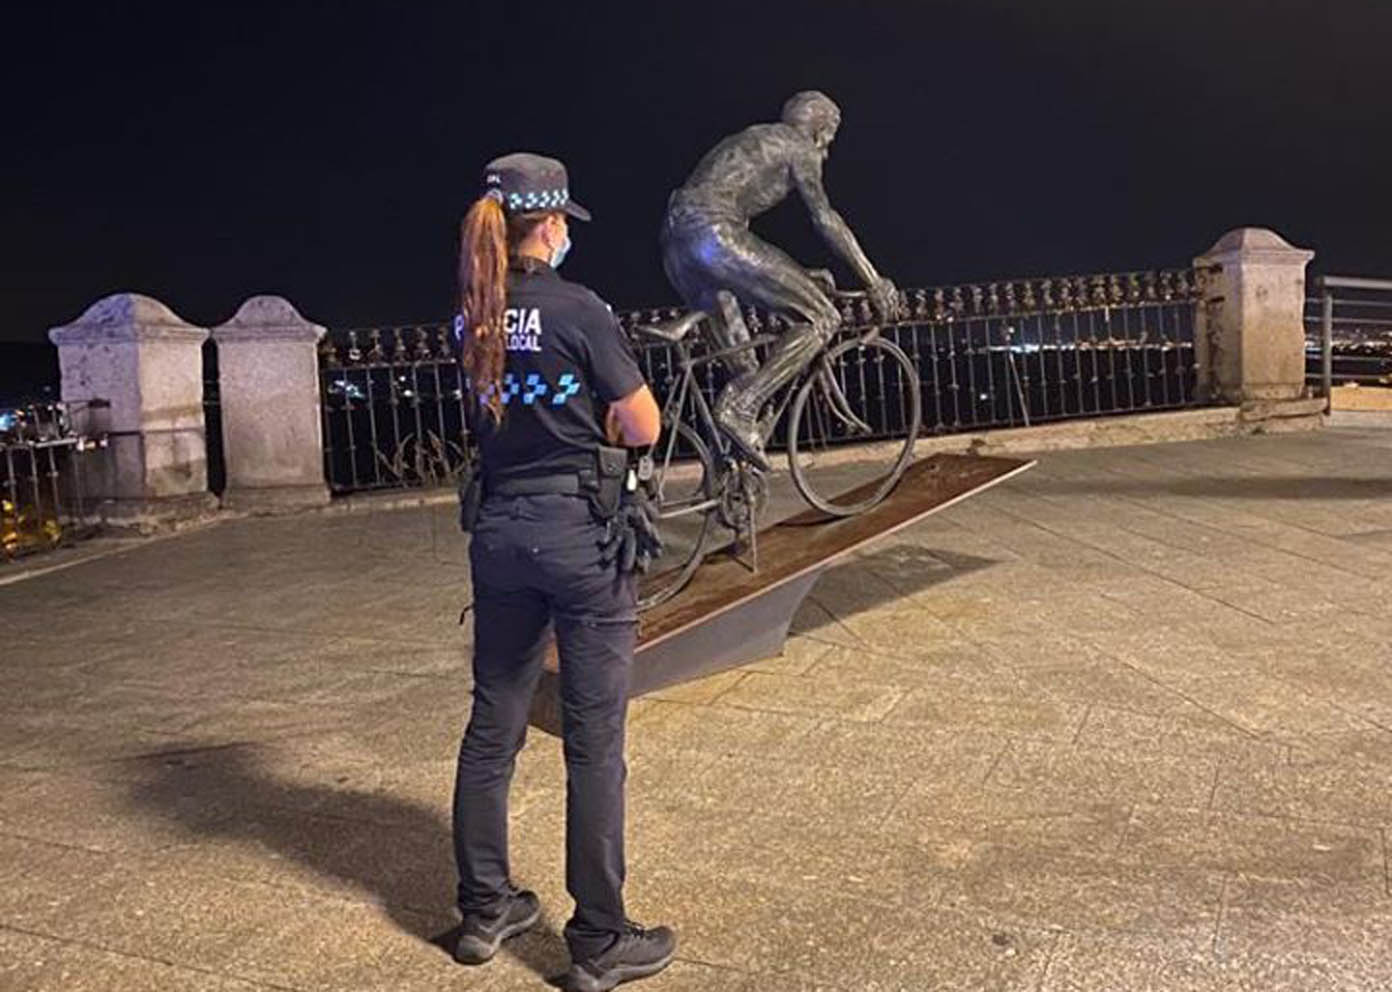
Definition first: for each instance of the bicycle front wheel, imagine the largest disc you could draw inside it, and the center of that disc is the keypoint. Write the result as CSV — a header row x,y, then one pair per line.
x,y
686,508
852,426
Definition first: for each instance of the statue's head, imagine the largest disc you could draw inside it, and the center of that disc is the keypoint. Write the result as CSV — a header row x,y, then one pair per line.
x,y
814,115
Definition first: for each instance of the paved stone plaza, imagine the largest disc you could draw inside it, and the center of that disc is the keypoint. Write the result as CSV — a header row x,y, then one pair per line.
x,y
1123,723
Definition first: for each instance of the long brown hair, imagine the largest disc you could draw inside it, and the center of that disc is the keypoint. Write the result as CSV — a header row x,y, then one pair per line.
x,y
486,238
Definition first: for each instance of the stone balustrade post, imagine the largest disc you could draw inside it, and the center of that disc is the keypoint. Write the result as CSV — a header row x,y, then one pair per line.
x,y
133,371
268,383
1250,334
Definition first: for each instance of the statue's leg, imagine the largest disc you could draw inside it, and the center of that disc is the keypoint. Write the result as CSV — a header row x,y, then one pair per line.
x,y
694,258
719,265
773,280
730,331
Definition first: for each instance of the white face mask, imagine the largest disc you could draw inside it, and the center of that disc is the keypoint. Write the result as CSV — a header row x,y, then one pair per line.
x,y
560,253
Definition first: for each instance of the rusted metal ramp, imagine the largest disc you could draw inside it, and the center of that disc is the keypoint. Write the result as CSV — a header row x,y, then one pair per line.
x,y
729,616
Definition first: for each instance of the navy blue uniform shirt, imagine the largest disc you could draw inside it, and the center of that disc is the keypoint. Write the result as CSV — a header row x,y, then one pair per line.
x,y
567,360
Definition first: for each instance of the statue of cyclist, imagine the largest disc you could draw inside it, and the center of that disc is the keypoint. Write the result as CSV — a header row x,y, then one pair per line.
x,y
716,263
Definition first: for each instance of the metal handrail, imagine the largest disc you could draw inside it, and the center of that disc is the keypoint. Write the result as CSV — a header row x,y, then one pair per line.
x,y
1353,282
1326,285
50,494
1327,349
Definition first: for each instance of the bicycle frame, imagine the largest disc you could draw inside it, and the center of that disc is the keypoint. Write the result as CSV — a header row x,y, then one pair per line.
x,y
730,490
704,423
706,429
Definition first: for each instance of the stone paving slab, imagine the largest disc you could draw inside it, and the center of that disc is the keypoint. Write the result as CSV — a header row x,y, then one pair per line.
x,y
1122,723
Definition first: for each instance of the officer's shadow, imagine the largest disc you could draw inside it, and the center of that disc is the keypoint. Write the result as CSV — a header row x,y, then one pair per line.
x,y
393,850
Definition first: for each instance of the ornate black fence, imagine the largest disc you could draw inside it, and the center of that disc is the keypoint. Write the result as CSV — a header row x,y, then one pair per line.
x,y
42,493
393,407
1010,353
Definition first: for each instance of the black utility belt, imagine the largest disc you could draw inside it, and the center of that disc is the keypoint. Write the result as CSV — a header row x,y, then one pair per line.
x,y
568,484
603,485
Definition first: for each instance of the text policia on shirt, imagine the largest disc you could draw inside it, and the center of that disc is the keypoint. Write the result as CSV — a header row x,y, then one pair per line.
x,y
521,325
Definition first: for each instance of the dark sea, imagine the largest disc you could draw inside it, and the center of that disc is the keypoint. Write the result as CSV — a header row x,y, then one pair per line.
x,y
28,373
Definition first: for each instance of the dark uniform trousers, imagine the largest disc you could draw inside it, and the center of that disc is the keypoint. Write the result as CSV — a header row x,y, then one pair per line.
x,y
535,564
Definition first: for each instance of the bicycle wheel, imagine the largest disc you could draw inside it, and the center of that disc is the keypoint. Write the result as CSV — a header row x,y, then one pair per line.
x,y
686,507
852,426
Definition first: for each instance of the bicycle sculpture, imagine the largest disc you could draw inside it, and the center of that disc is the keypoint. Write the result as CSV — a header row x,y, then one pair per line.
x,y
820,374
701,480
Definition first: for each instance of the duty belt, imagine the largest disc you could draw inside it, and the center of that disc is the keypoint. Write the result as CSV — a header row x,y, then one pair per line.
x,y
537,485
603,485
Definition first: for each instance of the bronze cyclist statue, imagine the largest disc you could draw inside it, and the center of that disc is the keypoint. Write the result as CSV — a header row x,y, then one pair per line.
x,y
717,264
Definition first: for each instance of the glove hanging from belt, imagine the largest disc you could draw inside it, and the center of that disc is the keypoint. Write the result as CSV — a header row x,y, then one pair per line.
x,y
631,538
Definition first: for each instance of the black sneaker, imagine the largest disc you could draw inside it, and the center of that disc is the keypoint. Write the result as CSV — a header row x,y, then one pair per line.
x,y
481,936
635,953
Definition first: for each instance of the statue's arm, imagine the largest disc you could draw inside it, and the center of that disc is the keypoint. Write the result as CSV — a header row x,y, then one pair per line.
x,y
833,228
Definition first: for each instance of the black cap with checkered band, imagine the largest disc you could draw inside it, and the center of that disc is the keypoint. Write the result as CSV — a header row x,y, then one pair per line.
x,y
524,182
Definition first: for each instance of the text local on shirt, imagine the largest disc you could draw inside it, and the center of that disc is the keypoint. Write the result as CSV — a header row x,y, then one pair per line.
x,y
522,328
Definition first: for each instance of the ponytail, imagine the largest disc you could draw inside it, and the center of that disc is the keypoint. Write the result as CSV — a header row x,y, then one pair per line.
x,y
483,258
486,239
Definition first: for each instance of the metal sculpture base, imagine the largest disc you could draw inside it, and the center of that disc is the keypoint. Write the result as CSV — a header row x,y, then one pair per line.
x,y
728,616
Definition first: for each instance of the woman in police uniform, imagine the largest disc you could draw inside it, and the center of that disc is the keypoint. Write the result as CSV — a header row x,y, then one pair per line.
x,y
548,369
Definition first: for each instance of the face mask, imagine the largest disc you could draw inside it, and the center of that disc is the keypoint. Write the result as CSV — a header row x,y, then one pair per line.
x,y
561,252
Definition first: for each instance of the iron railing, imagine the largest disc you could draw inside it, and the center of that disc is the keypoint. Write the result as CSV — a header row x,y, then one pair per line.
x,y
1008,353
42,497
393,407
1024,351
1348,332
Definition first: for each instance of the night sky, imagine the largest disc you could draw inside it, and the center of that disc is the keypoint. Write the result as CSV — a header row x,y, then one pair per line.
x,y
201,153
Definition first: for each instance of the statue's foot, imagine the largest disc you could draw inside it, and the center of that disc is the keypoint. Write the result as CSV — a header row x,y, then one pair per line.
x,y
749,443
742,428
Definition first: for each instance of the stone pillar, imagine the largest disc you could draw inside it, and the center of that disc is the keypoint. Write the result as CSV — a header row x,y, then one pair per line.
x,y
1250,336
268,378
134,371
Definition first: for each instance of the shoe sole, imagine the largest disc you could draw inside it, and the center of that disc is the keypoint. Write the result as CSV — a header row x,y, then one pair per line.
x,y
473,950
580,980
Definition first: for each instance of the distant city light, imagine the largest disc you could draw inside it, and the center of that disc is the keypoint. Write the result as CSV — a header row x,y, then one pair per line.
x,y
348,389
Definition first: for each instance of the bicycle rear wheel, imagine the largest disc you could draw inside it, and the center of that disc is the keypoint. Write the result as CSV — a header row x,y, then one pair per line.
x,y
686,507
852,426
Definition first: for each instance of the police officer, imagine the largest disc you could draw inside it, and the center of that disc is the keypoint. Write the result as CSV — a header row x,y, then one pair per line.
x,y
551,380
